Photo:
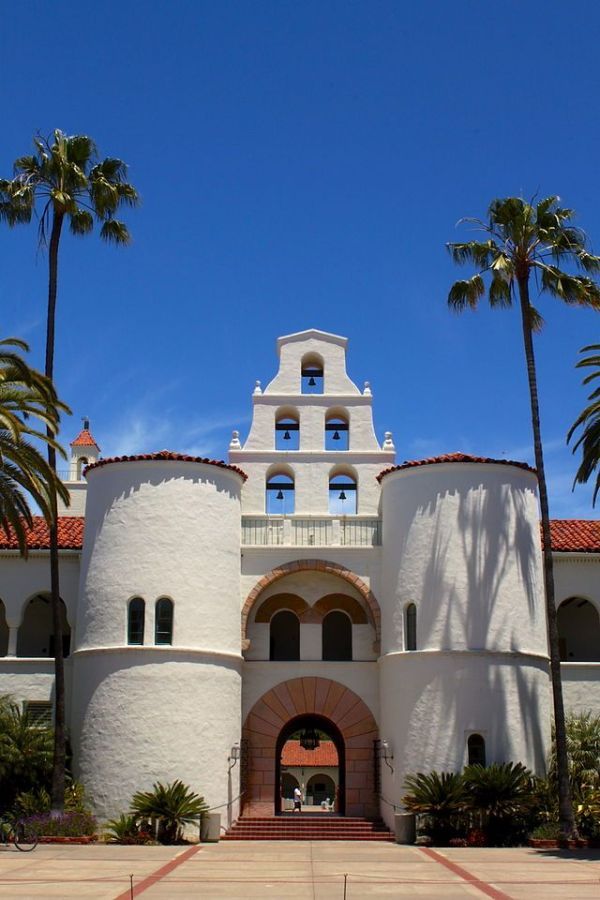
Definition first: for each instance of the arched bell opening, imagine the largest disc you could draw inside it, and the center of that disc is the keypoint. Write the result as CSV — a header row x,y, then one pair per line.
x,y
311,731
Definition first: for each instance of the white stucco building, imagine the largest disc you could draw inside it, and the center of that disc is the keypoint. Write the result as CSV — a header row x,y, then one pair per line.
x,y
310,582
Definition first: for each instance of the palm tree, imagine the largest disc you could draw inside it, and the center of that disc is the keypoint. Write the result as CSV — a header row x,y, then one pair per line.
x,y
523,239
25,753
63,182
27,401
589,420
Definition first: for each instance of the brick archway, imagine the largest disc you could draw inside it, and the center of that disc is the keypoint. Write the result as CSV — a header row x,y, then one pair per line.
x,y
313,565
305,696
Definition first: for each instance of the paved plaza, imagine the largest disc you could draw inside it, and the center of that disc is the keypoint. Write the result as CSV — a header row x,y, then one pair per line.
x,y
302,870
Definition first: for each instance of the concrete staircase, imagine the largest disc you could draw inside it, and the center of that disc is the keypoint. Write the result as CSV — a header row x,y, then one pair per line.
x,y
311,827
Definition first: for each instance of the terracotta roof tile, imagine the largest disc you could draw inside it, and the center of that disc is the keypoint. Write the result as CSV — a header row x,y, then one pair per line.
x,y
85,438
575,535
165,455
453,458
70,535
295,755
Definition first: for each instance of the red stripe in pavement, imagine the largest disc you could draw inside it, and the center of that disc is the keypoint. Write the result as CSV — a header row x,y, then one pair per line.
x,y
462,873
150,880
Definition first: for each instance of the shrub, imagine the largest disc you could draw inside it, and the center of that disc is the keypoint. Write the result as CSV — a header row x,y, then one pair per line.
x,y
69,824
127,829
30,803
583,749
173,806
503,795
439,796
547,831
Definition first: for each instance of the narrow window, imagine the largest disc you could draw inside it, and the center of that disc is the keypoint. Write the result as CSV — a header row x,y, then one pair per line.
x,y
476,750
280,499
284,636
287,433
163,621
343,495
135,621
81,464
337,636
336,433
312,375
410,621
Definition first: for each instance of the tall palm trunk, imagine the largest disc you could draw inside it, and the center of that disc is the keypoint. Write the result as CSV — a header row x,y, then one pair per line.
x,y
565,806
58,767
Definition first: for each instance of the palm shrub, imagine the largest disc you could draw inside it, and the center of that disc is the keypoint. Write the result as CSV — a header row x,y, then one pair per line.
x,y
440,798
172,805
502,795
583,751
25,753
127,829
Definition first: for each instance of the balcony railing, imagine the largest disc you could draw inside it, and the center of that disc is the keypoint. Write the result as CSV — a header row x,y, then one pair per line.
x,y
280,531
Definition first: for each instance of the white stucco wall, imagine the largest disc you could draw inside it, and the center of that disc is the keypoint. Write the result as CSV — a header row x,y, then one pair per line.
x,y
147,713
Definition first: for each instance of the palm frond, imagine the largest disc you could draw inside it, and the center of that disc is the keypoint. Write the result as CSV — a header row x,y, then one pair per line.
x,y
115,232
466,293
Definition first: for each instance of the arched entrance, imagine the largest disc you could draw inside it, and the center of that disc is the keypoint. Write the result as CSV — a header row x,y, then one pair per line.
x,y
319,724
274,717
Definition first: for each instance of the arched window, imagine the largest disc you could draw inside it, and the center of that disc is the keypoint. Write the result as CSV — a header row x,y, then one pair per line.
x,y
284,636
280,498
578,631
337,636
287,431
135,621
35,637
81,464
163,621
336,431
312,374
476,750
410,627
343,495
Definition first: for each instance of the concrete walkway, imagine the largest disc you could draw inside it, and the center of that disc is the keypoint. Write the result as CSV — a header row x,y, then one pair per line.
x,y
303,870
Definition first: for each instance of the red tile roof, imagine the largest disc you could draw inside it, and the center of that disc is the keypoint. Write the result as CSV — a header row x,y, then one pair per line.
x,y
295,755
70,535
575,535
453,458
85,438
165,455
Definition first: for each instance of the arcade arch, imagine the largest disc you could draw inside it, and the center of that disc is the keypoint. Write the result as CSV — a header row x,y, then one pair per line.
x,y
35,637
578,630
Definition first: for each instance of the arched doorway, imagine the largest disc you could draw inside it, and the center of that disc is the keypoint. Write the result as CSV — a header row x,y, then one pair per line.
x,y
326,728
275,716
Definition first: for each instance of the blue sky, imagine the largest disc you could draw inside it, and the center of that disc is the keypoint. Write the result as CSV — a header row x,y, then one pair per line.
x,y
302,165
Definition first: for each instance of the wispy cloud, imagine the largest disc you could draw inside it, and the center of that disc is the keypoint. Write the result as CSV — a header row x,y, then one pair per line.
x,y
146,432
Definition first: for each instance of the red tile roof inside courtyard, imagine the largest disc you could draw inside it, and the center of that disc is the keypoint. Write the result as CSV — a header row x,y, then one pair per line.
x,y
568,535
295,755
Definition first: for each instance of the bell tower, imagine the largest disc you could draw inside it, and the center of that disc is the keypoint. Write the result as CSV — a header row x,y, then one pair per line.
x,y
312,448
84,451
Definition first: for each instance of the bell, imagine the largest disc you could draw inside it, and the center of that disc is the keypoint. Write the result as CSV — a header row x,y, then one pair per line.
x,y
309,739
342,496
286,435
336,436
279,495
312,382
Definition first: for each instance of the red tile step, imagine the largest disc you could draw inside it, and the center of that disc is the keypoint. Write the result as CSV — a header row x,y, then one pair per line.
x,y
308,828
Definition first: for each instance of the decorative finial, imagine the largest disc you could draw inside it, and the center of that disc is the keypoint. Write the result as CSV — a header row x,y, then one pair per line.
x,y
388,443
235,441
257,388
86,423
367,390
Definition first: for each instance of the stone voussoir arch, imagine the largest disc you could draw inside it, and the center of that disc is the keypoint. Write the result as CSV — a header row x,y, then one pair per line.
x,y
313,565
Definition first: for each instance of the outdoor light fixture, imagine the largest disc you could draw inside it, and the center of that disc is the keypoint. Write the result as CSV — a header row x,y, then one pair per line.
x,y
309,739
387,754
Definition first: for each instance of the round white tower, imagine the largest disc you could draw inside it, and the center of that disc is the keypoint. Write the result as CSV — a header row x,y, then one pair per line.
x,y
464,663
157,661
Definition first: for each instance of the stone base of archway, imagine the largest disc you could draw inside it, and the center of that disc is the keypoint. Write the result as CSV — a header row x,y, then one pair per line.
x,y
304,697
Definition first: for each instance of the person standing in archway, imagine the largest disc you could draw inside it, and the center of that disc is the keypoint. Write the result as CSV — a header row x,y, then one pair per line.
x,y
297,799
